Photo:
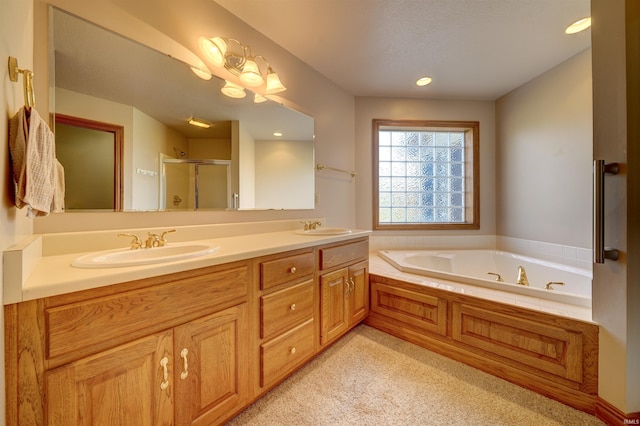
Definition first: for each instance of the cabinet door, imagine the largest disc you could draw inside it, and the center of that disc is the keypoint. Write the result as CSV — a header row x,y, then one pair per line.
x,y
211,366
126,385
359,292
335,319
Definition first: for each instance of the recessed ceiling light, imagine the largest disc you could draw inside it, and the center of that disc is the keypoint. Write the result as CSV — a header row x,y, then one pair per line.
x,y
199,123
579,25
278,134
423,81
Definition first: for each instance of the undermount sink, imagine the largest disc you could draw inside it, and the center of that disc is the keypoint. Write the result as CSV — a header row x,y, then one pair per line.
x,y
127,257
324,231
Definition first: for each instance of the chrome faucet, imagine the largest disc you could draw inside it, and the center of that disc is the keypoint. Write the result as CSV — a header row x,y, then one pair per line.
x,y
522,276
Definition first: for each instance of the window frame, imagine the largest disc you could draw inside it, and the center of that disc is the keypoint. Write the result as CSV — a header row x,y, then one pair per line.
x,y
472,134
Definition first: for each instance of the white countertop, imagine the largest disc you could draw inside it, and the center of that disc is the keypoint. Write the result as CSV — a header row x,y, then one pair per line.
x,y
53,275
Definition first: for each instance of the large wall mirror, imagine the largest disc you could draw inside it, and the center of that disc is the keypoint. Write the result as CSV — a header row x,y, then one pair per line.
x,y
164,162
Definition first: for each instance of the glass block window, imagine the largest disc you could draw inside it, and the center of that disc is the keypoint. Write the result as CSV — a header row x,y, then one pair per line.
x,y
425,175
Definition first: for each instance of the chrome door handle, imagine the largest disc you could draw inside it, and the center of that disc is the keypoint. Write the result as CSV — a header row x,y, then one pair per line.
x,y
600,252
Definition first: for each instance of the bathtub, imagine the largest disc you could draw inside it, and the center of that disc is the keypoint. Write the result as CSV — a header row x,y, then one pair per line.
x,y
474,267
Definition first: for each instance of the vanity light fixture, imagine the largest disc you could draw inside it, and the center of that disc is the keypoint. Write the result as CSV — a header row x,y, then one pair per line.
x,y
423,81
238,59
579,25
277,134
199,123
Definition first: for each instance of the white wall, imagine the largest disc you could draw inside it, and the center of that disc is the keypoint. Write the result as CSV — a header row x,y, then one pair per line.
x,y
543,157
420,109
283,175
16,39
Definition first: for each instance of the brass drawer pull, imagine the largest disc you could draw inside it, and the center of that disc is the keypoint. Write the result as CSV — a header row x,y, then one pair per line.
x,y
292,350
163,363
293,269
185,370
292,307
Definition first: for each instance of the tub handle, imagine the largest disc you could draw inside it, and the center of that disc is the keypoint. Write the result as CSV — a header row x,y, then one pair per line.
x,y
550,283
498,277
600,252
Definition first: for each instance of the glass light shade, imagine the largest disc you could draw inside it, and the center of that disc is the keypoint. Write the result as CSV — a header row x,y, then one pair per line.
x,y
201,71
250,74
213,49
274,85
233,90
258,99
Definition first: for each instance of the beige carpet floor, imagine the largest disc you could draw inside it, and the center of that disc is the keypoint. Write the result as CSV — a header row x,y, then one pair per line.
x,y
371,378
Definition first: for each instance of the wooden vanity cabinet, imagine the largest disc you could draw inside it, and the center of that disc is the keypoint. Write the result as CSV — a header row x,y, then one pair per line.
x,y
344,287
166,350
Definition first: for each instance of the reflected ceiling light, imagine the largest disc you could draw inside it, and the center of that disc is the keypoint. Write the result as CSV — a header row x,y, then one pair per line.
x,y
579,25
199,123
238,59
423,81
232,90
278,134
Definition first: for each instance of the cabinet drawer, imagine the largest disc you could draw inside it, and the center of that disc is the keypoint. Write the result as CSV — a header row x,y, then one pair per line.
x,y
283,354
343,254
279,271
82,328
285,308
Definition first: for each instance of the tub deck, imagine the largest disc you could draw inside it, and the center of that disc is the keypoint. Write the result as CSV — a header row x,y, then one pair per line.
x,y
380,267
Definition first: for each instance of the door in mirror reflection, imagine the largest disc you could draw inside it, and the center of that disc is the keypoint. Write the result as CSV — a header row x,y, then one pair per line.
x,y
195,184
90,152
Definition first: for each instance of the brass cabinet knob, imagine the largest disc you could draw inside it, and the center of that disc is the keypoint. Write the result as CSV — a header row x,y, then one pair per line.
x,y
293,270
292,307
292,350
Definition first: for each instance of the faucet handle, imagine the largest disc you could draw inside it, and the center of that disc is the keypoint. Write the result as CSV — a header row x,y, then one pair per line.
x,y
135,243
306,225
163,237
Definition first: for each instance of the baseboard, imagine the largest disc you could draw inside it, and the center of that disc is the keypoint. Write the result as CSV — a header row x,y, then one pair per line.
x,y
614,417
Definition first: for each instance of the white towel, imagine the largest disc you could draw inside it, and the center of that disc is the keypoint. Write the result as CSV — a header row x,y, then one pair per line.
x,y
32,148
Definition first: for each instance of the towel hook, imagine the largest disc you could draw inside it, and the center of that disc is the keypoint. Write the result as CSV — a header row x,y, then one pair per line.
x,y
27,80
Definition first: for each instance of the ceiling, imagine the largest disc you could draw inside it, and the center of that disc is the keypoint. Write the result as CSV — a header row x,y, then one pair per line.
x,y
473,49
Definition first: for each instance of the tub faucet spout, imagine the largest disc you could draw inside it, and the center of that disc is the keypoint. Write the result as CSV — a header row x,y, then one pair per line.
x,y
522,277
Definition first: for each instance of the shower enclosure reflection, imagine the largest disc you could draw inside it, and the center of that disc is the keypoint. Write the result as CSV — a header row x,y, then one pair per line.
x,y
195,184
